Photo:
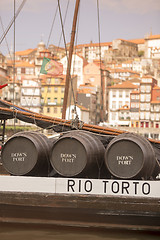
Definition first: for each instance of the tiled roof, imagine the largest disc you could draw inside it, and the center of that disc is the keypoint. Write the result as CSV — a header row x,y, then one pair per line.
x,y
116,70
154,102
153,37
137,41
135,92
124,85
147,76
25,52
86,90
156,88
24,64
94,44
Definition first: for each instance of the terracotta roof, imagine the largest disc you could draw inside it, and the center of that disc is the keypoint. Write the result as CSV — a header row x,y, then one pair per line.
x,y
137,41
124,85
135,75
156,88
86,85
24,64
152,37
86,90
125,40
154,102
93,44
135,92
25,52
44,51
147,76
116,70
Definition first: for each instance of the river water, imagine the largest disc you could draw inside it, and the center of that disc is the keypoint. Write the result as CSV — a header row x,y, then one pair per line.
x,y
28,232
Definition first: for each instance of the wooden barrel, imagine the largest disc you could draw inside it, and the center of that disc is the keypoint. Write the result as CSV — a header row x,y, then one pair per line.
x,y
78,153
27,153
130,156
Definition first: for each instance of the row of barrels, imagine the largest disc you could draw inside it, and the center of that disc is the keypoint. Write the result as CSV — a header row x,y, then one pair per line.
x,y
81,154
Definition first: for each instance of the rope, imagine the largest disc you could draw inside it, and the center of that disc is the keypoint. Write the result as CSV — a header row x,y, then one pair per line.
x,y
63,23
12,21
5,38
52,26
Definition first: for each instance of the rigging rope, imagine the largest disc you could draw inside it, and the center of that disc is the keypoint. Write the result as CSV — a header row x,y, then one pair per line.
x,y
12,21
52,26
64,22
5,38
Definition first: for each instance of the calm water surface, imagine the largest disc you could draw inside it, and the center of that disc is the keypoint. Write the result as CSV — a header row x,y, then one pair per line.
x,y
27,232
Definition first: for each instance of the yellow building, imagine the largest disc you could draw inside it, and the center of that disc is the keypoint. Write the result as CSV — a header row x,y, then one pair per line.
x,y
52,92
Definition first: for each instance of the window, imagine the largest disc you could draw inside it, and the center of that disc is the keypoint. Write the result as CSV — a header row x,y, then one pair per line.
x,y
133,96
55,110
48,80
114,93
42,101
91,79
114,105
141,115
148,97
113,116
49,89
48,110
120,104
56,80
62,90
147,115
147,106
127,94
55,89
142,97
55,100
142,89
120,94
48,100
18,70
148,89
61,100
157,117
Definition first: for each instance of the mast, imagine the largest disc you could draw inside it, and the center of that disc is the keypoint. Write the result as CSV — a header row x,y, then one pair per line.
x,y
70,59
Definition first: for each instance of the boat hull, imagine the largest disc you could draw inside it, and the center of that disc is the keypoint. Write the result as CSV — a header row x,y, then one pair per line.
x,y
80,210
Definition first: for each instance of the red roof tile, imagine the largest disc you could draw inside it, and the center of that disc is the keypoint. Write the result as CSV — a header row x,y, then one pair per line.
x,y
124,85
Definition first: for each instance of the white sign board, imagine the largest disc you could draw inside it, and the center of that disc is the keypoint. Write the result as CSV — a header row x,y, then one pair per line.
x,y
105,187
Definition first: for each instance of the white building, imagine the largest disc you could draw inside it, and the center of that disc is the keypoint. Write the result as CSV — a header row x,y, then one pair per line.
x,y
119,103
91,51
76,67
152,46
31,94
